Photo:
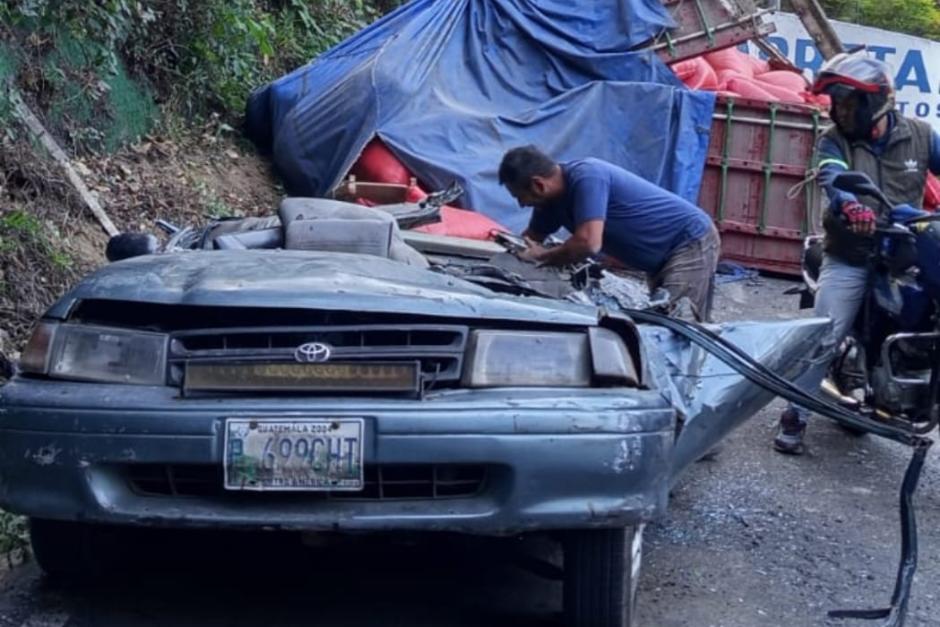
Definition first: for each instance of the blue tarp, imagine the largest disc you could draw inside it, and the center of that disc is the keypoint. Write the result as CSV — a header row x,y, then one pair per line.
x,y
450,85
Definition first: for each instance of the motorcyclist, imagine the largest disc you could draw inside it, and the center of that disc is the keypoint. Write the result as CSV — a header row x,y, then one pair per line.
x,y
869,135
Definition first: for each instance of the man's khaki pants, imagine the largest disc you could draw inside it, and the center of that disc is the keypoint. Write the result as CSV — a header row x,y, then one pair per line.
x,y
690,273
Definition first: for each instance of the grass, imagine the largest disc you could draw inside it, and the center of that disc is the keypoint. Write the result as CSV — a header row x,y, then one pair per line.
x,y
19,227
214,206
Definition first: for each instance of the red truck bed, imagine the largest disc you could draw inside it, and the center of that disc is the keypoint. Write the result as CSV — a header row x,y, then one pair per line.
x,y
759,156
759,152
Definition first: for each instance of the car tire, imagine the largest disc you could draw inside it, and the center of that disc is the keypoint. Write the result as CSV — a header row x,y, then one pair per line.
x,y
66,550
601,568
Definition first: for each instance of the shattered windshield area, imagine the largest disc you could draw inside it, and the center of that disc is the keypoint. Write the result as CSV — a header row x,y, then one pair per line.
x,y
588,283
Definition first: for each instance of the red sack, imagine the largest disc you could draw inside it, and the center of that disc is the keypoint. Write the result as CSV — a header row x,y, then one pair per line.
x,y
758,66
822,101
731,59
415,194
696,74
748,89
932,193
726,75
377,164
758,90
463,223
781,93
788,80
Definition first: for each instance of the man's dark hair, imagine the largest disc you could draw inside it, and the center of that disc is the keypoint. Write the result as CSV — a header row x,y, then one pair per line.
x,y
521,164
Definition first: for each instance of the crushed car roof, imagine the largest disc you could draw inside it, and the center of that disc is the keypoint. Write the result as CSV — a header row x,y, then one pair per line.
x,y
302,279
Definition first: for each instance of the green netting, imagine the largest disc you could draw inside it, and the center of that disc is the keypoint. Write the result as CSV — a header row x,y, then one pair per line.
x,y
101,110
133,106
7,72
7,63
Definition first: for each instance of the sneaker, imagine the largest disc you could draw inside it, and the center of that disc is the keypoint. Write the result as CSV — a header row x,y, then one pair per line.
x,y
789,438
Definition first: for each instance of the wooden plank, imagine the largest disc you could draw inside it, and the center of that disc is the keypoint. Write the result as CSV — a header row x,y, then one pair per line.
x,y
706,26
23,112
819,27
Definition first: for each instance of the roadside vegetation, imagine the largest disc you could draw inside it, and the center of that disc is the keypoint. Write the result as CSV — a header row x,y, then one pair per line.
x,y
196,57
146,96
914,17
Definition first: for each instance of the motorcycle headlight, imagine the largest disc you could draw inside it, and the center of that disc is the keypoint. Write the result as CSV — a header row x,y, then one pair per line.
x,y
89,353
527,359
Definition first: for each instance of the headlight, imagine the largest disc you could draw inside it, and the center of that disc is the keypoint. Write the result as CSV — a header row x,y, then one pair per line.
x,y
527,359
88,353
35,357
612,362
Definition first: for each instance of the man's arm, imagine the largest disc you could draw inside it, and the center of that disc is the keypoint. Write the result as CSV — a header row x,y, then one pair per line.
x,y
585,242
533,235
589,209
831,163
861,219
544,222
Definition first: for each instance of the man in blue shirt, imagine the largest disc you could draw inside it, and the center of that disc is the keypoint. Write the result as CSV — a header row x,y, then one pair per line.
x,y
870,136
608,209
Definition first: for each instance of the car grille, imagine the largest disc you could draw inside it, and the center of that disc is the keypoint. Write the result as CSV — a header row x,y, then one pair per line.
x,y
384,482
438,348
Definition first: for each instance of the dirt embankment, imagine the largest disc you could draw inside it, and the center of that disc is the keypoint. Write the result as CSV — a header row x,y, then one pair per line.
x,y
48,239
128,90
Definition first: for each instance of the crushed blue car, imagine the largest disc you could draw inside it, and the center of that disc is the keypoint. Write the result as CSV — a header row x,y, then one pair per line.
x,y
323,391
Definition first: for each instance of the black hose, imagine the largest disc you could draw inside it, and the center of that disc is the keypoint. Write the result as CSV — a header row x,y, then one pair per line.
x,y
897,611
759,374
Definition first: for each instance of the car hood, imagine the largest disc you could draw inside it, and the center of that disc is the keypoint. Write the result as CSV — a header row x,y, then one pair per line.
x,y
310,280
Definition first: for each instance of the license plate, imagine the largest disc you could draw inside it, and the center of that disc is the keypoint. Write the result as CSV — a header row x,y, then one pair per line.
x,y
304,454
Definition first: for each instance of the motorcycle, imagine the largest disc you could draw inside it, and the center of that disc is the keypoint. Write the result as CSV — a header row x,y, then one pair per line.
x,y
888,367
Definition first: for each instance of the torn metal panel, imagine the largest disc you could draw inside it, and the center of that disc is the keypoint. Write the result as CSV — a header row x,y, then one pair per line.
x,y
711,397
621,292
709,26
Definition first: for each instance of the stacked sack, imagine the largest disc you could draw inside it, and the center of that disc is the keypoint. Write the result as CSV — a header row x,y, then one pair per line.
x,y
730,72
377,164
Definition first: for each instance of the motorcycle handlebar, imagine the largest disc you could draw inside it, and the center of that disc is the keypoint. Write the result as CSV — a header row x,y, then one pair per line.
x,y
893,230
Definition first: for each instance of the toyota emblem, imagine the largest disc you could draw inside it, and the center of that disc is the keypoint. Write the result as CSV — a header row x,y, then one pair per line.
x,y
313,353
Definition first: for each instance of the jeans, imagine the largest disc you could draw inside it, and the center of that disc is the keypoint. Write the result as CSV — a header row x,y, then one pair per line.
x,y
842,289
690,273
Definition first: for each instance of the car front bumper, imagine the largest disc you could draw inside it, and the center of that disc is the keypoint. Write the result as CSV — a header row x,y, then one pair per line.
x,y
554,458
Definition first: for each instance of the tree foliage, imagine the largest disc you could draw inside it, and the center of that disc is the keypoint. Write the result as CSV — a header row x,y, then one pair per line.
x,y
199,55
915,17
